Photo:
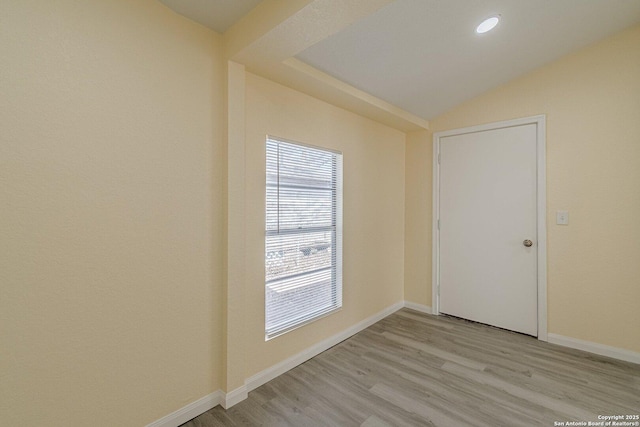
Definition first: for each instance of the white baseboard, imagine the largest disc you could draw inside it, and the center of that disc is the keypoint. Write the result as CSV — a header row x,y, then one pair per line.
x,y
227,400
592,347
235,396
190,411
418,307
268,374
201,406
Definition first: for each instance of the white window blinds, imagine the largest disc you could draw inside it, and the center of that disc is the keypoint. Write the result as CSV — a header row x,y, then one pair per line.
x,y
303,254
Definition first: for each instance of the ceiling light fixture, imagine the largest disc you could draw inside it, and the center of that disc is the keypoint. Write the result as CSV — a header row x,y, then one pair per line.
x,y
488,24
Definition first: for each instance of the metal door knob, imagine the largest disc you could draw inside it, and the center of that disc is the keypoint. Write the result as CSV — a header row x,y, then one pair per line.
x,y
528,243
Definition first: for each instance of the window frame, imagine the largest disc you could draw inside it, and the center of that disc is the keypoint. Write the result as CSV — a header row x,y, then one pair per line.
x,y
336,244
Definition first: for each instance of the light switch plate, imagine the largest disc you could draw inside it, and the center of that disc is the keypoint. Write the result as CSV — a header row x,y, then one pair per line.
x,y
562,217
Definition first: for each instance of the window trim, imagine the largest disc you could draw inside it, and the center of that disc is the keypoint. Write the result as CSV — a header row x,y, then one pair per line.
x,y
337,271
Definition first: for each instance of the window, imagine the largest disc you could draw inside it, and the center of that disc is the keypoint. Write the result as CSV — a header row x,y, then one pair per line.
x,y
303,253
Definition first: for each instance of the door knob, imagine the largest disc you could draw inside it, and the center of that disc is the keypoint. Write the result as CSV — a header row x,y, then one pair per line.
x,y
528,243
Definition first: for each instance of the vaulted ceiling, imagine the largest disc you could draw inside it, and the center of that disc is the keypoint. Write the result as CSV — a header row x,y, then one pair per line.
x,y
218,15
404,61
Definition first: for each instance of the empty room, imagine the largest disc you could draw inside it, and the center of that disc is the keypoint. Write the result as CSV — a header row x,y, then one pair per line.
x,y
319,213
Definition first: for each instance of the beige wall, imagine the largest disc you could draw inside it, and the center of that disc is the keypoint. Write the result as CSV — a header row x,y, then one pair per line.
x,y
592,103
418,205
373,249
110,206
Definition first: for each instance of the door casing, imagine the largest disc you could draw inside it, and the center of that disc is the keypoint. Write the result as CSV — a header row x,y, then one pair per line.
x,y
541,208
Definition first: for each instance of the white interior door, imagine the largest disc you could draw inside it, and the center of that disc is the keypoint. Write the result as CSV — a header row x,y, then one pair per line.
x,y
487,212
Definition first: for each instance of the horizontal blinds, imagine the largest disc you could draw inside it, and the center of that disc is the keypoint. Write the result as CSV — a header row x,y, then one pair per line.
x,y
303,241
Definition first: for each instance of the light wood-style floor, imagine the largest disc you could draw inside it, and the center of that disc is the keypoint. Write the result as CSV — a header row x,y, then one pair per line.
x,y
413,369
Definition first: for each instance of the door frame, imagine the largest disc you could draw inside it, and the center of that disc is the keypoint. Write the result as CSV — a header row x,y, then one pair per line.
x,y
541,213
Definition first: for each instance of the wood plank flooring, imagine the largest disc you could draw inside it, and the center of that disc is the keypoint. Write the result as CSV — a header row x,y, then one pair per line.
x,y
413,369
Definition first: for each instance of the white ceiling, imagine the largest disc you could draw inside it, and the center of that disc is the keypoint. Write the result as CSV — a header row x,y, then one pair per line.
x,y
218,15
424,56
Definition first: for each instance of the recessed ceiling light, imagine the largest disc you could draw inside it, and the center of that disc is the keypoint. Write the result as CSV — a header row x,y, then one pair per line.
x,y
488,24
